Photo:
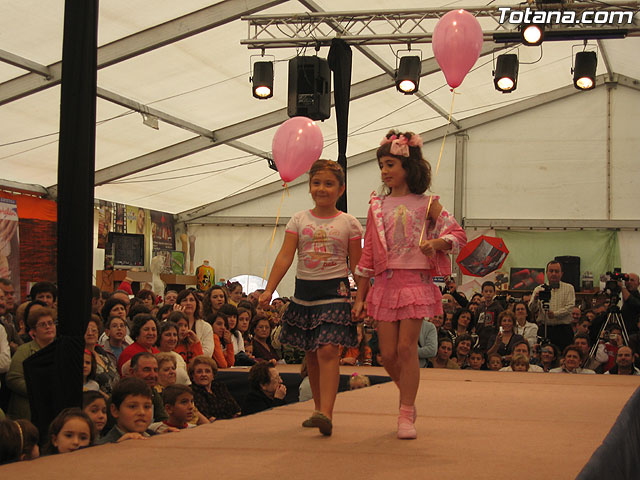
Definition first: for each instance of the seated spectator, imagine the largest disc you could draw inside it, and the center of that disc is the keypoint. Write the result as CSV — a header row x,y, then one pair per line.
x,y
94,405
611,346
132,408
45,292
89,372
359,355
145,367
583,326
476,359
6,321
427,343
18,441
443,356
359,381
43,331
523,325
178,402
244,321
522,348
304,390
5,351
576,314
624,363
503,341
452,289
190,305
188,346
572,356
70,430
106,370
166,371
549,357
600,357
167,343
462,323
115,338
266,389
232,320
148,299
163,313
519,363
214,298
262,348
170,298
494,362
144,334
463,348
212,399
223,352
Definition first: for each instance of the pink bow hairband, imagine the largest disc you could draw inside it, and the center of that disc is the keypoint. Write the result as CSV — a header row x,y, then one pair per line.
x,y
400,144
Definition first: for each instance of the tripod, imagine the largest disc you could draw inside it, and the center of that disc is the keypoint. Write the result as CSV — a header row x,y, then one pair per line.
x,y
615,317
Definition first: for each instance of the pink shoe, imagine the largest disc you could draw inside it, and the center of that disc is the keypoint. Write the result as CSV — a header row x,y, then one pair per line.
x,y
406,429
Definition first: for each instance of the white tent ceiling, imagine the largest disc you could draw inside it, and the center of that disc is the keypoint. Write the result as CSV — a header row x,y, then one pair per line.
x,y
202,80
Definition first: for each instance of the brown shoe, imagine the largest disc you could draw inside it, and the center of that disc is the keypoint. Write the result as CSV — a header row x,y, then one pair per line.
x,y
322,422
308,423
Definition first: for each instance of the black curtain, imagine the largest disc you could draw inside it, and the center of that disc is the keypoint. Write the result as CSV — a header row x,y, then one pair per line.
x,y
340,62
54,375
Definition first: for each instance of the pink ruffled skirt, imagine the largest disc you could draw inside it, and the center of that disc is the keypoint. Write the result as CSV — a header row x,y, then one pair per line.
x,y
401,294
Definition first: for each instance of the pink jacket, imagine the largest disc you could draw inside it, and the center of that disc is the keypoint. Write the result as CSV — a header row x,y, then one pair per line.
x,y
374,254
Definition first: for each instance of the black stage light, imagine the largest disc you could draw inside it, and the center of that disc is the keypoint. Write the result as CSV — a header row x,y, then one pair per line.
x,y
584,71
408,74
262,80
505,76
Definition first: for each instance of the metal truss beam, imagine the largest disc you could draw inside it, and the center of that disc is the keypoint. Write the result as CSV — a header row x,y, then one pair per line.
x,y
24,63
249,127
28,188
398,26
196,214
141,42
540,224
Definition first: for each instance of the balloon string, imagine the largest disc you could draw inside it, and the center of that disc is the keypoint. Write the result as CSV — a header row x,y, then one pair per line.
x,y
275,228
444,138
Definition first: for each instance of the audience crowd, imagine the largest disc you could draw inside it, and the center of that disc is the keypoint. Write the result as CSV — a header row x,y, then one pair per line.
x,y
150,364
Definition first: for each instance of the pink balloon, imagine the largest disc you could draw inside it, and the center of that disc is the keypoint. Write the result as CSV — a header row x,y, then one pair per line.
x,y
457,40
296,145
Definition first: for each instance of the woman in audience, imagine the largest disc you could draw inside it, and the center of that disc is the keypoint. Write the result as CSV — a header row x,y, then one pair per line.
x,y
211,398
502,343
262,348
167,343
145,336
572,356
244,321
235,292
523,325
463,345
214,298
189,345
549,357
190,305
148,298
166,370
462,323
223,352
359,355
70,430
106,371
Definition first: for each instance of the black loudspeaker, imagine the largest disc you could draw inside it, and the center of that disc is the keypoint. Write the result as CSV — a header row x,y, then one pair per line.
x,y
570,270
309,88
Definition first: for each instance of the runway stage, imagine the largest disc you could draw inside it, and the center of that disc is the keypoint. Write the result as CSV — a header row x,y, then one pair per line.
x,y
471,425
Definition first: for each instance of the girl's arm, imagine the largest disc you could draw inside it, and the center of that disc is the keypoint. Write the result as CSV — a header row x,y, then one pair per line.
x,y
218,354
280,266
449,236
355,251
230,355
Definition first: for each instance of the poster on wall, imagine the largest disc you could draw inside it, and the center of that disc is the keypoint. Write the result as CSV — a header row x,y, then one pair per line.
x,y
105,222
119,221
162,232
137,219
9,243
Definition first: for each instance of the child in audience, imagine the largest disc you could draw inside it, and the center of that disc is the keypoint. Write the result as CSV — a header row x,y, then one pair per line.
x,y
495,362
519,363
95,406
189,345
223,352
178,403
89,372
359,355
70,430
408,237
18,441
132,408
318,318
476,359
358,381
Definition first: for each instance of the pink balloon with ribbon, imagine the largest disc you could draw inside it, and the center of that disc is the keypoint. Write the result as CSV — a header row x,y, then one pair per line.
x,y
296,145
457,40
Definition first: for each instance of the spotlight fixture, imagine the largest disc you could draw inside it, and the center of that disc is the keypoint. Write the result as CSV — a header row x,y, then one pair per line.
x,y
505,76
532,34
584,70
262,80
408,74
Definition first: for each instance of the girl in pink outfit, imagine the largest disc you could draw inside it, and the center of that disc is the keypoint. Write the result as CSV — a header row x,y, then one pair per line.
x,y
408,238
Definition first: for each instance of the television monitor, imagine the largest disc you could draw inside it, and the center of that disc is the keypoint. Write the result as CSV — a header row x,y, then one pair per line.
x,y
127,249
